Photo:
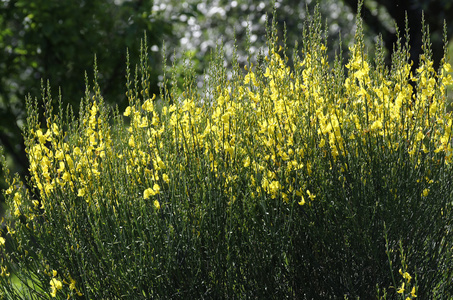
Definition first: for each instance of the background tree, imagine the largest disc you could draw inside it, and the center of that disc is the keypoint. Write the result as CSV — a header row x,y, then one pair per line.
x,y
434,12
57,41
204,23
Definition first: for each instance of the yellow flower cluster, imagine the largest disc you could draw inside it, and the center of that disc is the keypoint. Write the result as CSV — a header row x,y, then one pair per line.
x,y
57,164
263,128
143,155
57,285
402,290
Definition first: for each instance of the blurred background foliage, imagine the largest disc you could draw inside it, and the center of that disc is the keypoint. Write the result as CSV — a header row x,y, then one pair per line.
x,y
56,40
202,24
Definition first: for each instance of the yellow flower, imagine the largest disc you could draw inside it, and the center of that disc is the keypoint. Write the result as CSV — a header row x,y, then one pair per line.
x,y
151,191
165,178
407,276
55,129
376,125
401,289
2,241
17,204
9,190
4,272
312,197
156,204
147,193
246,162
425,192
148,105
66,176
143,122
42,137
413,292
127,112
61,167
55,285
274,186
160,163
302,201
77,151
131,141
81,192
59,155
419,136
72,284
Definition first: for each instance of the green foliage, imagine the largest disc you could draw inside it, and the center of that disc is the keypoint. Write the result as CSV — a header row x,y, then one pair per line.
x,y
312,181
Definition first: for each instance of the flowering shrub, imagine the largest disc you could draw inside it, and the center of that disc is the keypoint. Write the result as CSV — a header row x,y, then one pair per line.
x,y
297,181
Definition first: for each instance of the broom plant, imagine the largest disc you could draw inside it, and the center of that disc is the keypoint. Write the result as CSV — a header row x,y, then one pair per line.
x,y
311,180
